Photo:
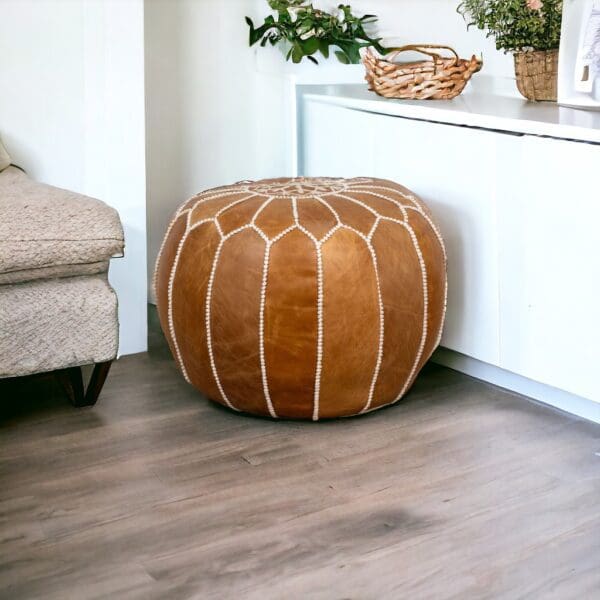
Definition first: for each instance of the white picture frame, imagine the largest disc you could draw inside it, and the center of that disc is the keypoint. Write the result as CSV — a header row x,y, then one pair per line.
x,y
579,57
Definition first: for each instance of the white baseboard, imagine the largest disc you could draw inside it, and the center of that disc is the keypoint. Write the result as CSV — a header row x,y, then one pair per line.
x,y
575,405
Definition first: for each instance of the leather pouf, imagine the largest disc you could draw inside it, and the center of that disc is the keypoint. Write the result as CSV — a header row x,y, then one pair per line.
x,y
302,298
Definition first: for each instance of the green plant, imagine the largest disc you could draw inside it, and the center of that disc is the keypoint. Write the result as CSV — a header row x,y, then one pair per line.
x,y
308,30
516,24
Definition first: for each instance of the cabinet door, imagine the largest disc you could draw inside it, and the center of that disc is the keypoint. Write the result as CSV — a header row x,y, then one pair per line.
x,y
453,169
549,240
335,141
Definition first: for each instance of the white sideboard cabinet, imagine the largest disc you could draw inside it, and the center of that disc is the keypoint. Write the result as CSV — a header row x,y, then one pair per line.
x,y
520,215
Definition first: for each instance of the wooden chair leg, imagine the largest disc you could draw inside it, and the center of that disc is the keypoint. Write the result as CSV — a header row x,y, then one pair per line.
x,y
72,381
96,382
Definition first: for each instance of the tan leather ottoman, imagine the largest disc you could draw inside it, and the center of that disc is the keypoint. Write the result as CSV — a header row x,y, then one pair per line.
x,y
302,298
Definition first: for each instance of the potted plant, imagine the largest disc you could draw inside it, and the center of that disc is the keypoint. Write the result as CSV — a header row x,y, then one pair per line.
x,y
306,31
530,29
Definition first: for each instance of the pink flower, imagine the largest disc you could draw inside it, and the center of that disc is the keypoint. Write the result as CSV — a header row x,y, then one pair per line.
x,y
535,4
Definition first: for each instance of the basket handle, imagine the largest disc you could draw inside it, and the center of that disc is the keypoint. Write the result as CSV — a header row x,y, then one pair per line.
x,y
421,48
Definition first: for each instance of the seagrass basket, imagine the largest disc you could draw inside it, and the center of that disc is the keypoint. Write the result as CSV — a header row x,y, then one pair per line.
x,y
440,78
537,74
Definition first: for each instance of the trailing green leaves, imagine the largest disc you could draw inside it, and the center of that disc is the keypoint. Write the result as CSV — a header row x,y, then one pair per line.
x,y
516,24
308,31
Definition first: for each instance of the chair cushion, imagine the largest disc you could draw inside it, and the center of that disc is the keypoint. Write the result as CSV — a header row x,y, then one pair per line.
x,y
54,272
44,227
56,323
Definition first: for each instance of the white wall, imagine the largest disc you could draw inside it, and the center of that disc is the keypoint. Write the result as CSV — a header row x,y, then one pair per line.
x,y
115,149
41,88
72,115
212,118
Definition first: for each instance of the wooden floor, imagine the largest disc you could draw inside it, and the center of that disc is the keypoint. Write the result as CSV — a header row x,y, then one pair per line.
x,y
461,491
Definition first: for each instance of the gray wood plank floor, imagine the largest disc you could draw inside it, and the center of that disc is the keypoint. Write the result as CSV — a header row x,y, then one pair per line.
x,y
461,491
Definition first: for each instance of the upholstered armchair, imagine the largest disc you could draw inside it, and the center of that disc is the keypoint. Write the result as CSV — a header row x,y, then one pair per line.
x,y
57,310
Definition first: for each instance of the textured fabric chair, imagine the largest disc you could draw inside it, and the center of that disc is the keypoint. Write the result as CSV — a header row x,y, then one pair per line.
x,y
57,309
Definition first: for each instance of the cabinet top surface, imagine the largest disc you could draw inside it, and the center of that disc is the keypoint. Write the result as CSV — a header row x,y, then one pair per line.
x,y
485,104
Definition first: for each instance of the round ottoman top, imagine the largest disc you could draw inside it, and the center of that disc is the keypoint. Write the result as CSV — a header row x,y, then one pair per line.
x,y
302,298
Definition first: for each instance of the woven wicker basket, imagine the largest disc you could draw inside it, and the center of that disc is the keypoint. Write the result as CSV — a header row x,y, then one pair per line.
x,y
537,74
441,78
